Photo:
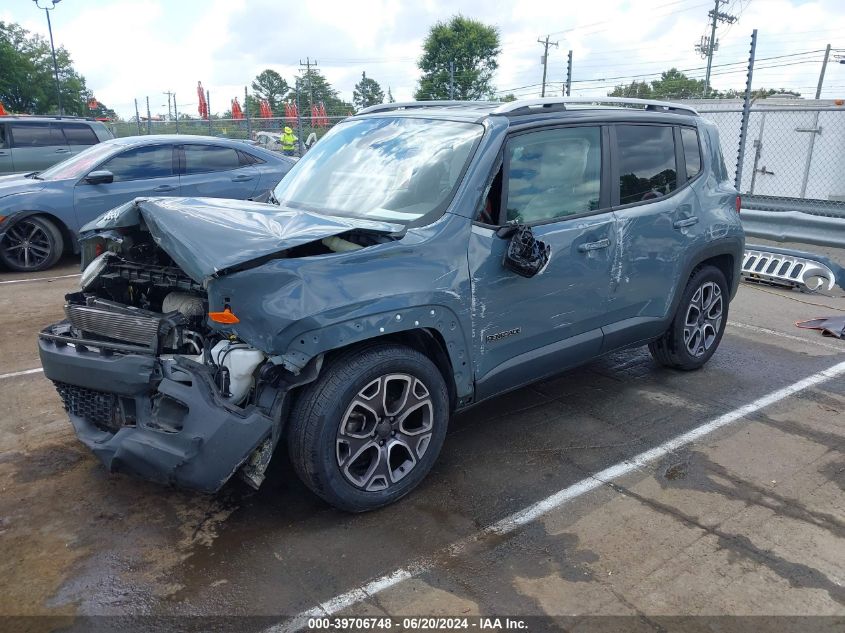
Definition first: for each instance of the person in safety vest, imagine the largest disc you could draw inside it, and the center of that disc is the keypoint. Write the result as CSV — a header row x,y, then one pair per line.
x,y
288,142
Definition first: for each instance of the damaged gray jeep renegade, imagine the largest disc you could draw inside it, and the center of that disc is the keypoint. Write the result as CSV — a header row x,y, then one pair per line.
x,y
421,258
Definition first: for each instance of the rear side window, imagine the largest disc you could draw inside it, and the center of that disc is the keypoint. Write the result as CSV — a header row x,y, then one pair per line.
x,y
2,136
692,155
36,134
155,161
554,174
248,159
79,134
646,159
204,158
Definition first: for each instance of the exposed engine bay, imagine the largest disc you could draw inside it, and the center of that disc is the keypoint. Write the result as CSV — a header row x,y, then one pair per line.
x,y
155,380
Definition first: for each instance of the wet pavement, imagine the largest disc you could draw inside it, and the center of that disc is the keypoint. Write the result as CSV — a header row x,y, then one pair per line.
x,y
748,520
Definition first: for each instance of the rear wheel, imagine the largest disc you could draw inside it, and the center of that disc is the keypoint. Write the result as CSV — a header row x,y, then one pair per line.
x,y
31,244
699,323
369,429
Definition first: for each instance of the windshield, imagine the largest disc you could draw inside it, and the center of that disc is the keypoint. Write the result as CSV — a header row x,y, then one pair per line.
x,y
79,165
390,169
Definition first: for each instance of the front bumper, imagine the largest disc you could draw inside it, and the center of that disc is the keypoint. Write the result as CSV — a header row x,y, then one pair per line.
x,y
159,419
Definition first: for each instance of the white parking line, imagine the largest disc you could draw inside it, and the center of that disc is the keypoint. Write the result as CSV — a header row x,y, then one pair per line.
x,y
791,337
23,281
37,370
552,502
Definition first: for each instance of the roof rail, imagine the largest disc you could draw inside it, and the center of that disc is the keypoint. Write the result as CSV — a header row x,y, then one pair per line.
x,y
533,105
405,105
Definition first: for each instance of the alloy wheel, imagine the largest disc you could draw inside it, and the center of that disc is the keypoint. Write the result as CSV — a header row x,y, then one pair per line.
x,y
385,431
704,319
27,244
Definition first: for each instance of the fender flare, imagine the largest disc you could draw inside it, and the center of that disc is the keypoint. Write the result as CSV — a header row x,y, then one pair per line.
x,y
308,344
732,246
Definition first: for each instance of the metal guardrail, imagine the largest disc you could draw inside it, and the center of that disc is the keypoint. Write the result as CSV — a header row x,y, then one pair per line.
x,y
794,226
829,208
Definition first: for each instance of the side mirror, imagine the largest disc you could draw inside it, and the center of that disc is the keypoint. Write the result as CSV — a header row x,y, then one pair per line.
x,y
525,255
99,177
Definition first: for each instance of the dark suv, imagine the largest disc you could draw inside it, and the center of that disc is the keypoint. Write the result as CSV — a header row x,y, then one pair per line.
x,y
33,143
422,257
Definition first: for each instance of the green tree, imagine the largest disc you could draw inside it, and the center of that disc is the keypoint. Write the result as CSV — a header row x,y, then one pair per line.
x,y
367,92
639,89
673,84
508,98
27,83
270,85
314,88
390,98
473,48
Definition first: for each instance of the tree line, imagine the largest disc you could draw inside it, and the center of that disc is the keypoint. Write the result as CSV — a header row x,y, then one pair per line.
x,y
458,61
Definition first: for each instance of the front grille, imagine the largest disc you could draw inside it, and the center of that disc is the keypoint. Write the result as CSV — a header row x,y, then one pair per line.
x,y
95,406
114,325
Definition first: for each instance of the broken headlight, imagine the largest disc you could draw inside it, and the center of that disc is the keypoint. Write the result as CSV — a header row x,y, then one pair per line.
x,y
93,270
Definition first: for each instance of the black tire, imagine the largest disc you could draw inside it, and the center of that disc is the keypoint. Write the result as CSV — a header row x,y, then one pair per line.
x,y
325,409
20,254
674,349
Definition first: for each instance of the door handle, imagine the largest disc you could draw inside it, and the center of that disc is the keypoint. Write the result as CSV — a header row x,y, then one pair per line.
x,y
62,150
241,178
2,153
679,224
594,246
165,188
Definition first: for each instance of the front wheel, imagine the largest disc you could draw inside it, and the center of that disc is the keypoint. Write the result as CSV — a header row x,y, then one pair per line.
x,y
699,322
369,429
31,244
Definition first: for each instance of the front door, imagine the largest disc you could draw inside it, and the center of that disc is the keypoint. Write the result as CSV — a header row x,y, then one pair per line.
x,y
138,171
527,328
36,145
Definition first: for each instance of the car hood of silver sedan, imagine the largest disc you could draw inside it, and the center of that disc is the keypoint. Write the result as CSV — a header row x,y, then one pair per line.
x,y
207,237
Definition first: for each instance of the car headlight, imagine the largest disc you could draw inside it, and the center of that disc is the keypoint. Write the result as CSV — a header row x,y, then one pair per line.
x,y
93,270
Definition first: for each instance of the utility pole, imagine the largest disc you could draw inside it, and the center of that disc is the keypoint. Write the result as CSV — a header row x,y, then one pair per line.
x,y
821,75
545,60
308,64
709,45
168,93
47,10
137,117
176,112
452,80
567,88
149,118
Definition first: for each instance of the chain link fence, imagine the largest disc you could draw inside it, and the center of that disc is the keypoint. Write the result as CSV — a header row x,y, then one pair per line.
x,y
265,131
794,156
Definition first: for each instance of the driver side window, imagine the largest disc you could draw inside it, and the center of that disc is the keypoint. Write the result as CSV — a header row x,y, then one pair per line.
x,y
553,174
139,163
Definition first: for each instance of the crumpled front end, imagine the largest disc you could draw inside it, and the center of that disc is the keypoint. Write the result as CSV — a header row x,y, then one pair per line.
x,y
160,419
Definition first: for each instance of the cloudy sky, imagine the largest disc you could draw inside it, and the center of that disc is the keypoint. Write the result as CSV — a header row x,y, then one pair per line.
x,y
131,49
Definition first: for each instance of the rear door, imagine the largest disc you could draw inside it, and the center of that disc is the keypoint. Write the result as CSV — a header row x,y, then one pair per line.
x,y
216,171
37,144
138,171
657,215
79,136
526,328
6,164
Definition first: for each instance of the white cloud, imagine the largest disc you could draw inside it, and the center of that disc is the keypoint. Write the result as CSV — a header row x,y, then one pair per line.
x,y
129,49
